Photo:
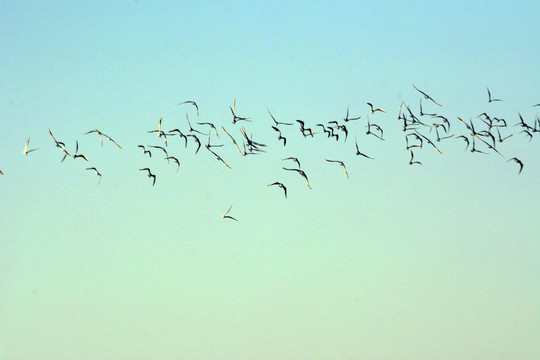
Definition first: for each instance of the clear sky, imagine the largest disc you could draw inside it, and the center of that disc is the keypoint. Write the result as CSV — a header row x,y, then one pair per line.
x,y
438,260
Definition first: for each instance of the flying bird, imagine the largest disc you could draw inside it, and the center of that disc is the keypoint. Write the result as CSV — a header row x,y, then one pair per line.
x,y
277,122
347,118
426,95
411,162
281,186
235,117
225,216
75,155
302,173
293,159
375,110
194,104
150,175
175,160
489,97
97,173
26,151
144,151
519,162
358,151
340,163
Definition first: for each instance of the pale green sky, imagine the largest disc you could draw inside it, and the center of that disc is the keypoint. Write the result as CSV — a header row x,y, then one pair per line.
x,y
397,262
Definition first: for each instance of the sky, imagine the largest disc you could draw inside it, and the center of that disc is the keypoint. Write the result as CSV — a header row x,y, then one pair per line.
x,y
397,261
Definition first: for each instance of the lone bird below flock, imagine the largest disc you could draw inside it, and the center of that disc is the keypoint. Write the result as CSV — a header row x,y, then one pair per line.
x,y
225,216
281,186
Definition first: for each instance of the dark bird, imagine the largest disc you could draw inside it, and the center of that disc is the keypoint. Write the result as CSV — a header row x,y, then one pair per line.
x,y
281,186
423,113
192,129
197,141
411,162
293,159
340,163
465,139
377,109
429,142
235,117
150,175
277,122
426,95
280,137
501,139
162,149
489,97
180,133
302,173
527,133
175,160
217,156
97,173
26,151
519,162
76,155
194,104
144,151
358,151
211,126
347,118
225,216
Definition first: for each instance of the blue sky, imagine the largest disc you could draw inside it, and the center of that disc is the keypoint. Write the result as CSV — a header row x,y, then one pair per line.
x,y
398,261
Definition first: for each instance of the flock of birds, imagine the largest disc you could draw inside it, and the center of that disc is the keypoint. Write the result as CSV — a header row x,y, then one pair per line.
x,y
481,135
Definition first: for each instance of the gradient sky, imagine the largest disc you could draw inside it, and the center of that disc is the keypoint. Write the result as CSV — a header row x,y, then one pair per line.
x,y
397,262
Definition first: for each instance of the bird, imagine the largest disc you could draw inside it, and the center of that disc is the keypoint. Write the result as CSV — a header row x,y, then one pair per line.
x,y
423,113
160,132
375,110
340,163
302,173
97,173
194,104
75,155
144,151
464,139
150,175
347,118
162,149
358,151
57,143
211,126
101,135
411,162
225,216
281,186
501,139
277,122
192,129
217,156
293,159
26,151
234,142
489,97
280,137
197,141
426,95
519,162
1,173
175,160
235,117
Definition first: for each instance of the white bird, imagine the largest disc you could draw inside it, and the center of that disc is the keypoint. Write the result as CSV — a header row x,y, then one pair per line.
x,y
26,151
